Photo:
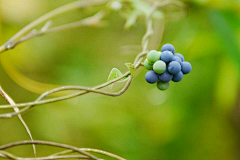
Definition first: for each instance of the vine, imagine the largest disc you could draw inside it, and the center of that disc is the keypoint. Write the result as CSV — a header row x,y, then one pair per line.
x,y
29,32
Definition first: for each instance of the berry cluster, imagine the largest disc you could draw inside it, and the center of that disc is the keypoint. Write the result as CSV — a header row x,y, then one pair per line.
x,y
165,66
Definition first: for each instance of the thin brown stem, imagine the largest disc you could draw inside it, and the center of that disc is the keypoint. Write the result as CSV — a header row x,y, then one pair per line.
x,y
6,155
91,150
90,21
66,8
11,102
86,90
57,157
37,142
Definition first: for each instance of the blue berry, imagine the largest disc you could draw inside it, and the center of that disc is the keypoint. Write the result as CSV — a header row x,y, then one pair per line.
x,y
159,67
175,58
165,77
147,65
186,67
178,77
151,77
153,56
166,56
180,56
162,85
168,47
174,67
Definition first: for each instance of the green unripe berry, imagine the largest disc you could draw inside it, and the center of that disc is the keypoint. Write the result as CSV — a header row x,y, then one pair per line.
x,y
162,86
147,65
153,56
159,67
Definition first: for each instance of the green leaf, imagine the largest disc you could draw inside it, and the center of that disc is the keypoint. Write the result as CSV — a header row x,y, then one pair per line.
x,y
131,68
115,73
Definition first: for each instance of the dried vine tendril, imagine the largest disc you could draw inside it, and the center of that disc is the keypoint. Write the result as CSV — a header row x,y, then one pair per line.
x,y
84,152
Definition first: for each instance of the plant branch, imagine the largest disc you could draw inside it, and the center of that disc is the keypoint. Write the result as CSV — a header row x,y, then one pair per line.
x,y
59,155
6,155
90,21
11,102
66,8
37,142
91,150
86,90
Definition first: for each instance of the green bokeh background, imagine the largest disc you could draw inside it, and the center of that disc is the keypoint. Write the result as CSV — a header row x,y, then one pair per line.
x,y
197,118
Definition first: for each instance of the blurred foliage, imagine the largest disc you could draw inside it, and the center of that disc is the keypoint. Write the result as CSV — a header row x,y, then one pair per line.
x,y
195,119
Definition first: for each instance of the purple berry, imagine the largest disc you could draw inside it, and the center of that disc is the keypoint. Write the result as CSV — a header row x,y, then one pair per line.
x,y
166,56
175,58
178,77
180,56
186,67
165,77
174,67
151,77
168,47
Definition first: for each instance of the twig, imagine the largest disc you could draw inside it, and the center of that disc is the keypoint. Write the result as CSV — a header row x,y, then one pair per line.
x,y
11,102
91,150
90,21
46,26
87,90
66,8
6,155
57,157
37,142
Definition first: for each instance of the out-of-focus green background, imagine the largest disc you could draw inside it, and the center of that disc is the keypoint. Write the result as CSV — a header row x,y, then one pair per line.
x,y
198,118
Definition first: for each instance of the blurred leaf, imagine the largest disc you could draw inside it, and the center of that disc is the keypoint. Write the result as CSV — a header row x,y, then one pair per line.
x,y
227,89
207,48
131,19
146,8
226,35
115,73
233,19
140,8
